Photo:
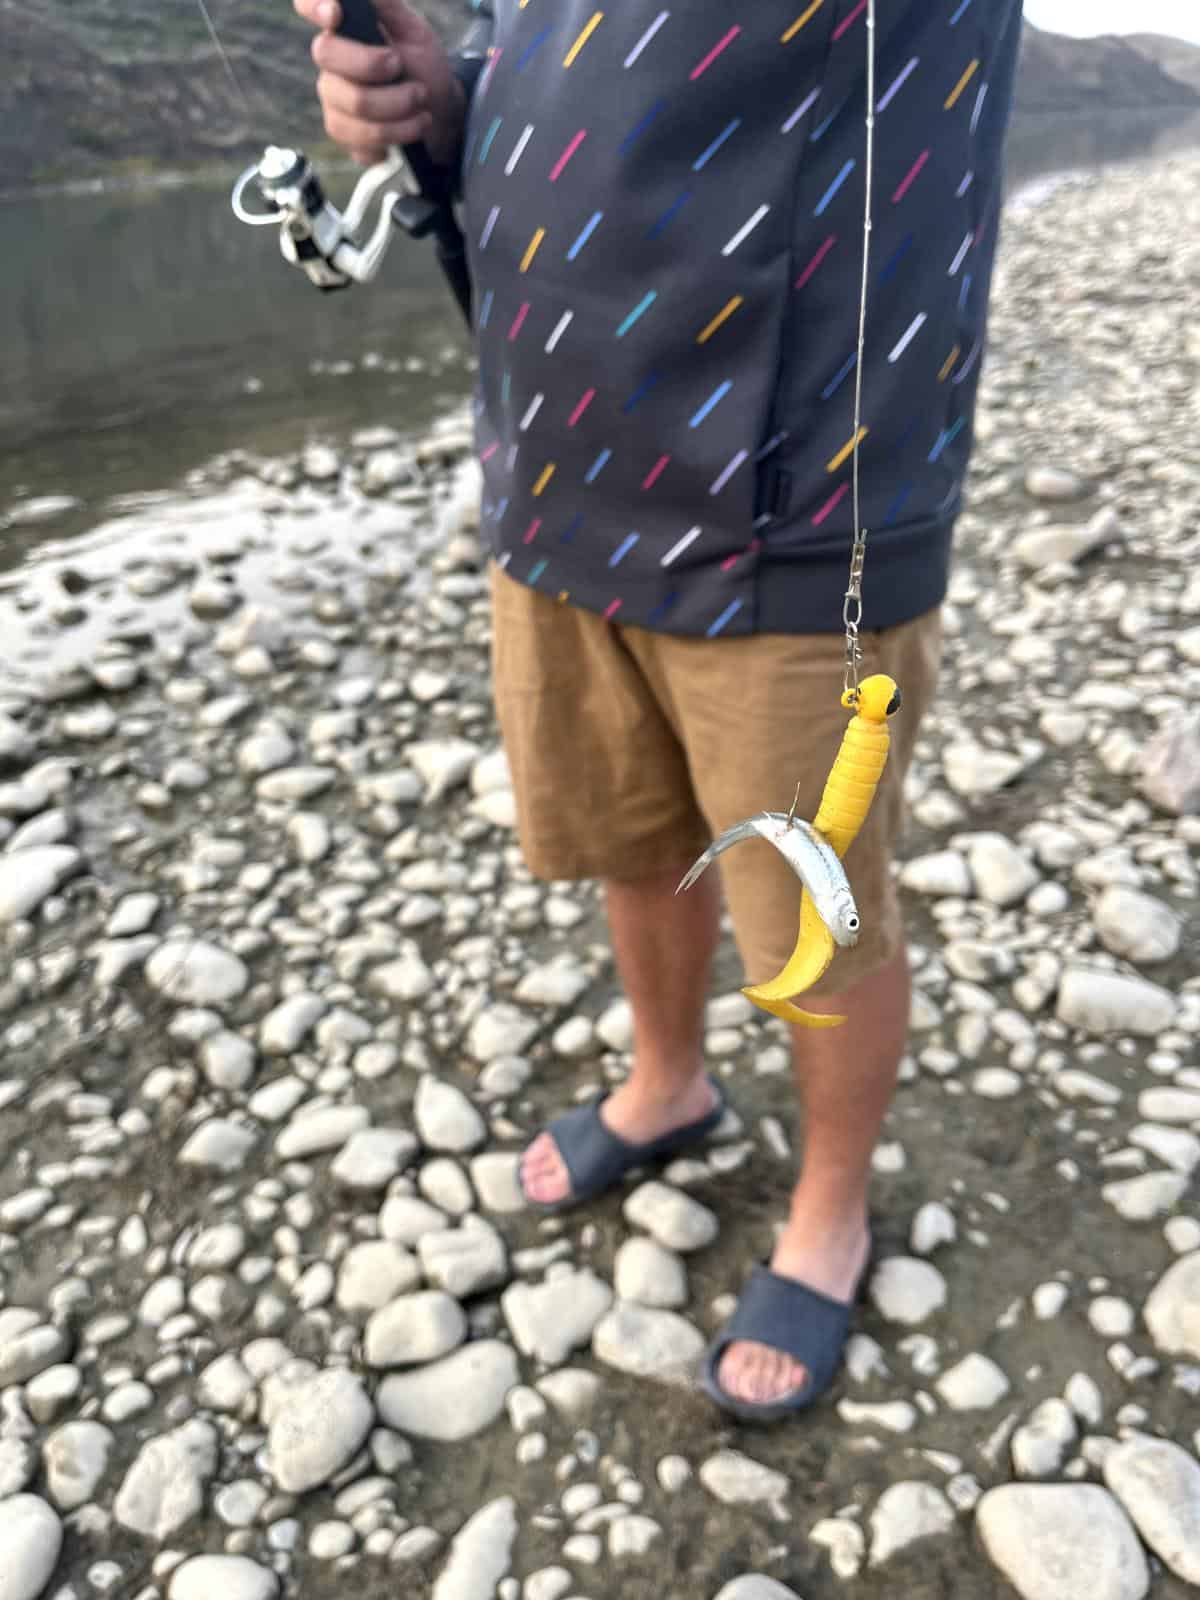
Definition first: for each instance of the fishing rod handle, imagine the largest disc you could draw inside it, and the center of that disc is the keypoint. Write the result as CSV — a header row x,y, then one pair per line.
x,y
360,23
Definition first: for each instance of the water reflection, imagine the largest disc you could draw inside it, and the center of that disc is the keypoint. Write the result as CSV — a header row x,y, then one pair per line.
x,y
131,321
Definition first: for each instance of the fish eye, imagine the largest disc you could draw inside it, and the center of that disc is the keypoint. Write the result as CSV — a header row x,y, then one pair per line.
x,y
852,924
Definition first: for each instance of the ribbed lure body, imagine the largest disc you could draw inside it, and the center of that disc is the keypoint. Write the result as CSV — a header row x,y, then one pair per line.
x,y
852,781
845,802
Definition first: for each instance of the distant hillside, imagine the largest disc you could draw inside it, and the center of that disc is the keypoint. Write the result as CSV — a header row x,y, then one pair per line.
x,y
1176,57
94,86
86,85
1106,74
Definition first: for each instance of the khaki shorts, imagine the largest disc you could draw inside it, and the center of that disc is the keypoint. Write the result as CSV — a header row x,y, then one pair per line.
x,y
630,750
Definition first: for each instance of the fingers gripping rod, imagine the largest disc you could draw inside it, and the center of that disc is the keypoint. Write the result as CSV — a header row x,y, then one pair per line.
x,y
323,241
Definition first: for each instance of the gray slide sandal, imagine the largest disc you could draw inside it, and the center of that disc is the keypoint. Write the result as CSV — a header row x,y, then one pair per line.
x,y
596,1158
789,1317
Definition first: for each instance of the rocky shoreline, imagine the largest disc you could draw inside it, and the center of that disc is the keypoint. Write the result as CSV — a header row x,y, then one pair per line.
x,y
279,1007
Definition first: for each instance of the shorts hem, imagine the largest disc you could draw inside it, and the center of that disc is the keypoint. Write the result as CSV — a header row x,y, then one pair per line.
x,y
645,860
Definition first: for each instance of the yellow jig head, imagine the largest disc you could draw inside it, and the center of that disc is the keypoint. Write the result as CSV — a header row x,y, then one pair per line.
x,y
814,851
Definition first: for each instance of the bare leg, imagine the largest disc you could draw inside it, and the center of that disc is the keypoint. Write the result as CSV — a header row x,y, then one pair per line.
x,y
845,1077
664,946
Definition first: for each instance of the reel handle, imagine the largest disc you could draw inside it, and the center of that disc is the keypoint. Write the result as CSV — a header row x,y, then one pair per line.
x,y
360,23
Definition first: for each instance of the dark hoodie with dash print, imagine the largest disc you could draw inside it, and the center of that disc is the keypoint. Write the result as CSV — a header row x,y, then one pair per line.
x,y
664,213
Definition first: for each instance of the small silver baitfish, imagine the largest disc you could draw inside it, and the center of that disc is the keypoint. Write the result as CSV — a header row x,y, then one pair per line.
x,y
811,857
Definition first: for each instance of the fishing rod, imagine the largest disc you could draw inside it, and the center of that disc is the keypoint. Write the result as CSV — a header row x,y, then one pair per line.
x,y
327,244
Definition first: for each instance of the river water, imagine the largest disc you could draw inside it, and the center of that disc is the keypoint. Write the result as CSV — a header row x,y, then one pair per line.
x,y
143,331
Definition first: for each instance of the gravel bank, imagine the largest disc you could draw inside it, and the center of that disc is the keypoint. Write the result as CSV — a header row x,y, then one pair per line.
x,y
279,1007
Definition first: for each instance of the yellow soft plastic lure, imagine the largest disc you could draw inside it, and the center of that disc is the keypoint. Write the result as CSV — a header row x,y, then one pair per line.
x,y
849,790
846,800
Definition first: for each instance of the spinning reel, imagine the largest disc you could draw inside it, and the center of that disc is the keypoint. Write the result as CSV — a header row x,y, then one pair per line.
x,y
325,242
313,234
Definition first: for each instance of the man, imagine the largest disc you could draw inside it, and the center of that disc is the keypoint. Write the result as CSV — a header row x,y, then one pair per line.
x,y
664,212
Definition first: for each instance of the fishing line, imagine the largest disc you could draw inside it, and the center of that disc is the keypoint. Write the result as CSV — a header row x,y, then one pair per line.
x,y
852,605
227,63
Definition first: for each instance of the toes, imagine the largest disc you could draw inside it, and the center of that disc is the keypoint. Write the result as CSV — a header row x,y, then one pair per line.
x,y
733,1372
542,1188
556,1184
537,1160
543,1175
779,1375
541,1147
551,1188
757,1374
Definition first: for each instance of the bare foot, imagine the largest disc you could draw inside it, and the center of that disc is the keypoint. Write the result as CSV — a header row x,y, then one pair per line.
x,y
631,1114
828,1260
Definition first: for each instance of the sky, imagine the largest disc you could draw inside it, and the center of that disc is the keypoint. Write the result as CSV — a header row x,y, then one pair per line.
x,y
1085,17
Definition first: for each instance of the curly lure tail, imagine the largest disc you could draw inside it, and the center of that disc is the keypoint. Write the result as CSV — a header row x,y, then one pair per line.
x,y
849,791
791,1013
810,957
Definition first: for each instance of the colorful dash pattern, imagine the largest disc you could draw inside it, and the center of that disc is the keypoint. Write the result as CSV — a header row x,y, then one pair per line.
x,y
660,408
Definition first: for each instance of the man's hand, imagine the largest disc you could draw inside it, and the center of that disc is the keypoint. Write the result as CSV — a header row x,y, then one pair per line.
x,y
366,107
